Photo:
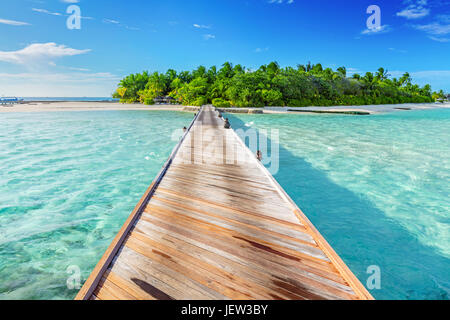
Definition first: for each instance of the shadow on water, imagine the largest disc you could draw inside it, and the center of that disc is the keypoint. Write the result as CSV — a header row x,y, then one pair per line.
x,y
362,234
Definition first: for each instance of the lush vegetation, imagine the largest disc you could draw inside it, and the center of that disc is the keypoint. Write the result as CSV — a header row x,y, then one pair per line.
x,y
270,85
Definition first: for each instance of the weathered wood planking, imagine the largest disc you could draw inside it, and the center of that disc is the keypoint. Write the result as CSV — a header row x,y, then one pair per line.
x,y
216,225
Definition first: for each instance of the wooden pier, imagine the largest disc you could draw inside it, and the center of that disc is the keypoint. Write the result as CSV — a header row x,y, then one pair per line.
x,y
216,225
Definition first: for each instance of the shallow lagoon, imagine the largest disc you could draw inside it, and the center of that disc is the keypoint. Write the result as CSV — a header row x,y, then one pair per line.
x,y
375,186
68,181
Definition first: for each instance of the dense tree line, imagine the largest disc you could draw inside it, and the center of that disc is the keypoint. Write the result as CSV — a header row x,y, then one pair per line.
x,y
271,85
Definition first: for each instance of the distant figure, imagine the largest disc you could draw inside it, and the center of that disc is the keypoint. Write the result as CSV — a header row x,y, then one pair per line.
x,y
220,115
184,129
227,124
259,155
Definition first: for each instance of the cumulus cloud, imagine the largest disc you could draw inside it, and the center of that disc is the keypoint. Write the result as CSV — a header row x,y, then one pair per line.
x,y
438,30
415,10
434,28
39,52
382,29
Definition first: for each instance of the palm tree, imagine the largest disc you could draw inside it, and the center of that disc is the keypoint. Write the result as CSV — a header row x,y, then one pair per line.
x,y
382,74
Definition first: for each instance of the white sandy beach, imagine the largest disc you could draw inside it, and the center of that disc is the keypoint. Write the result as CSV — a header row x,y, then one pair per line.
x,y
81,106
112,106
370,109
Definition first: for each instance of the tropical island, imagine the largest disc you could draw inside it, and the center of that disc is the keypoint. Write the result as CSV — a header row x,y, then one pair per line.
x,y
271,85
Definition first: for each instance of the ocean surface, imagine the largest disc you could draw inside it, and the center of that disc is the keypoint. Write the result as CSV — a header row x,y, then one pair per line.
x,y
377,188
68,181
70,99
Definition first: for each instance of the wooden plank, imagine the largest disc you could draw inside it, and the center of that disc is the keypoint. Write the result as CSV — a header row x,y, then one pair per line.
x,y
257,224
186,287
265,259
93,280
240,210
308,286
339,264
235,231
301,252
226,262
212,227
261,255
96,275
195,272
128,286
242,265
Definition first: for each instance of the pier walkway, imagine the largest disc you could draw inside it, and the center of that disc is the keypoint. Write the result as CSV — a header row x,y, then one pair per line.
x,y
216,225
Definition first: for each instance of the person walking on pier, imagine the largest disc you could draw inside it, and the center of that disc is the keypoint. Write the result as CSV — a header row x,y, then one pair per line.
x,y
227,124
259,155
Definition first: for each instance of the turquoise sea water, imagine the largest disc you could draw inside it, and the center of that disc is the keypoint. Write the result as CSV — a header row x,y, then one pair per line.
x,y
377,187
71,99
68,181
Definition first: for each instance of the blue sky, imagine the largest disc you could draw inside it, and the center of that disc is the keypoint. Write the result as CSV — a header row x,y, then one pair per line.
x,y
40,56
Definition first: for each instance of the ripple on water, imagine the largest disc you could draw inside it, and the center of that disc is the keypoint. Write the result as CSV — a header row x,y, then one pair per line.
x,y
377,188
68,181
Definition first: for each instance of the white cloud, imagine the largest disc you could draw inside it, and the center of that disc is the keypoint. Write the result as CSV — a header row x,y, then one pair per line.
x,y
434,28
201,26
46,12
73,77
397,50
281,1
209,36
38,52
118,23
13,23
438,79
111,21
440,39
382,29
352,71
414,10
79,69
71,84
431,74
259,50
70,1
445,18
437,30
